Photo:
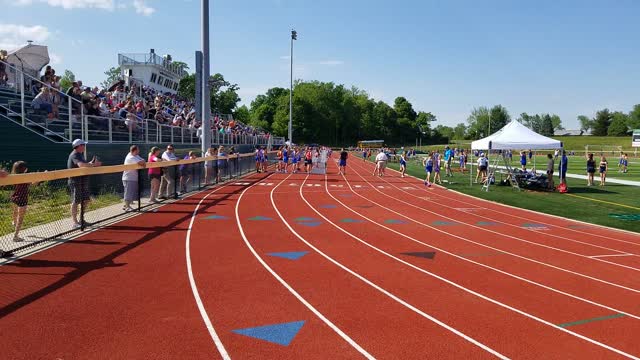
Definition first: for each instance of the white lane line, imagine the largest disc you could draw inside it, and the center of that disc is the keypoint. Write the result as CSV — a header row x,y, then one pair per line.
x,y
599,256
375,286
289,288
194,287
431,246
504,251
533,317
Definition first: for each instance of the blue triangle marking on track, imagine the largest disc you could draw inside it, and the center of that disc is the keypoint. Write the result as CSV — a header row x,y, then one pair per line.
x,y
292,255
351,220
486,223
328,206
443,223
261,218
394,221
304,218
216,217
310,224
281,334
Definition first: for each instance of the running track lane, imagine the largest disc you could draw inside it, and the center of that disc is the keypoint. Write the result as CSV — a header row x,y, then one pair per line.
x,y
117,293
238,293
382,326
578,230
555,276
476,317
517,293
550,235
504,235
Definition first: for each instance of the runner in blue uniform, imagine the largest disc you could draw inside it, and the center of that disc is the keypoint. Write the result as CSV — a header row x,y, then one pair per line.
x,y
285,160
427,162
403,164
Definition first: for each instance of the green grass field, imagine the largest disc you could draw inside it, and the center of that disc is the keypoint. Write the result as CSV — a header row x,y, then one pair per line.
x,y
619,199
576,143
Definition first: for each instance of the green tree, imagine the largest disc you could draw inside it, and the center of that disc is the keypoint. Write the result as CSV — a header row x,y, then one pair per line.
x,y
586,123
242,114
547,125
634,118
424,120
557,122
460,131
224,95
67,79
618,126
263,107
478,123
114,74
499,118
601,122
445,132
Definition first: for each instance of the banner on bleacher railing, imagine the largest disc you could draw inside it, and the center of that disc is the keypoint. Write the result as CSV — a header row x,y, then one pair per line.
x,y
635,140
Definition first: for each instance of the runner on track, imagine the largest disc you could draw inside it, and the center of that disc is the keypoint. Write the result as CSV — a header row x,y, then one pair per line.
x,y
285,160
403,164
427,162
343,162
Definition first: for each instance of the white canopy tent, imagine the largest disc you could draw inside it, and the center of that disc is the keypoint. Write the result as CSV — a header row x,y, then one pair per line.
x,y
515,136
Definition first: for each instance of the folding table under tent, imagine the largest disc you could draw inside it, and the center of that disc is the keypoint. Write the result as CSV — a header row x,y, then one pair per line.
x,y
514,136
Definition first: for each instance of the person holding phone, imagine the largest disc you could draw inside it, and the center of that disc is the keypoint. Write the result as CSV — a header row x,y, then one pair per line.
x,y
79,185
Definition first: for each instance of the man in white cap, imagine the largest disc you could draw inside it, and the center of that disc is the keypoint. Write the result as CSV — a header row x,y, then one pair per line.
x,y
79,185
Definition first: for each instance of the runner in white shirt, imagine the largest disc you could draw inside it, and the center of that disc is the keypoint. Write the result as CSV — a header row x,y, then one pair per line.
x,y
130,177
381,163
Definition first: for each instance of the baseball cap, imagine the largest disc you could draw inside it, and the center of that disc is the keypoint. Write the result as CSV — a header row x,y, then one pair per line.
x,y
78,142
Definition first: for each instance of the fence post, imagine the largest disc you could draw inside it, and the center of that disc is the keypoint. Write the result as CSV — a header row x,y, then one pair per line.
x,y
176,179
24,121
70,109
140,172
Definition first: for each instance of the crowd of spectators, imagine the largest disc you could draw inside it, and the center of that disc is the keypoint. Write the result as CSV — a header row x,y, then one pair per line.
x,y
132,105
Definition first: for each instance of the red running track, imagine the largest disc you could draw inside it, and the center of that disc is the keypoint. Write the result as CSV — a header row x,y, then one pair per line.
x,y
296,266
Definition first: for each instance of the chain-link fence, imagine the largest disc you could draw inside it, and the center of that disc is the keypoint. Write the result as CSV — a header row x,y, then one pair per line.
x,y
36,208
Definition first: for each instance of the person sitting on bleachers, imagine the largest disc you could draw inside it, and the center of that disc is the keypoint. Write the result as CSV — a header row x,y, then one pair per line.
x,y
43,101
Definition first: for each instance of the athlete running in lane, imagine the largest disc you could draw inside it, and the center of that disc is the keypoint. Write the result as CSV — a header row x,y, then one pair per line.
x,y
285,160
427,162
343,162
403,164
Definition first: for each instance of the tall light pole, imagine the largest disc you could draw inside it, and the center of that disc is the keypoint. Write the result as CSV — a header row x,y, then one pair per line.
x,y
206,98
294,36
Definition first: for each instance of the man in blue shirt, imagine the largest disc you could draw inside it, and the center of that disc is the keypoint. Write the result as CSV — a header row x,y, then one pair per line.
x,y
448,156
562,168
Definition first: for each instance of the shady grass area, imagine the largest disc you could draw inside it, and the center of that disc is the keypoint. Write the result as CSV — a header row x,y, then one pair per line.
x,y
620,209
48,202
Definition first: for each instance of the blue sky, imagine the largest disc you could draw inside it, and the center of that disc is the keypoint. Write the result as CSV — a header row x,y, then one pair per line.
x,y
565,57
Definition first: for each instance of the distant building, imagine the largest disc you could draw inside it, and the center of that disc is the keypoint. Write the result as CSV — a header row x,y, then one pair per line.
x,y
158,72
571,133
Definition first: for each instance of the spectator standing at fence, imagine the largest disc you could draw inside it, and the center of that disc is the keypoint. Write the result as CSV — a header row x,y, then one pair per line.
x,y
168,181
208,165
20,200
154,174
130,177
222,162
79,185
185,172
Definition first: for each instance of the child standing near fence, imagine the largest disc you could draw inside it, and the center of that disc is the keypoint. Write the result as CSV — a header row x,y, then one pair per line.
x,y
20,200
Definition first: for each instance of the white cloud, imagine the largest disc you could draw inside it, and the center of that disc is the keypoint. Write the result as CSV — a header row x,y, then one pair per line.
x,y
142,8
55,59
13,36
331,62
73,4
